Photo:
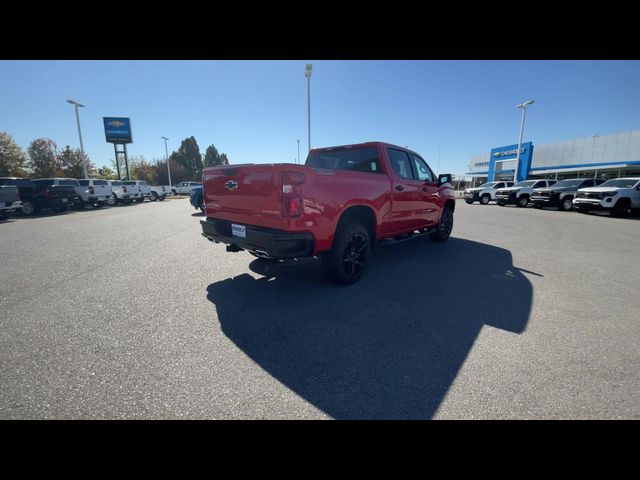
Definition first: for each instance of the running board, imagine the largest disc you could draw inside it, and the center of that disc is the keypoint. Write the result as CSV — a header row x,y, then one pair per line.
x,y
404,238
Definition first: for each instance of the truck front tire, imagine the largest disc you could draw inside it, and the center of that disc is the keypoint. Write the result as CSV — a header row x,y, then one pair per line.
x,y
347,260
485,199
445,226
523,200
565,204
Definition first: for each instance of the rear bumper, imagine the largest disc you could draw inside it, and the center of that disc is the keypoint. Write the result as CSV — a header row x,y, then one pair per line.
x,y
275,243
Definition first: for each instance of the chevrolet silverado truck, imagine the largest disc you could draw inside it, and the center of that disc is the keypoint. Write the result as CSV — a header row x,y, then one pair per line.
x,y
139,189
338,206
562,193
484,193
618,196
96,192
520,193
42,194
158,192
121,193
9,200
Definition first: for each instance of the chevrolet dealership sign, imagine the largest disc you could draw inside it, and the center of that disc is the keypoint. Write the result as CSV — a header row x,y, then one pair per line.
x,y
117,130
506,153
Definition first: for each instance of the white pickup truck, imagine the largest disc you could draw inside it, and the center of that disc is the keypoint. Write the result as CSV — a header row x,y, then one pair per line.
x,y
184,188
96,192
121,192
140,188
158,192
618,196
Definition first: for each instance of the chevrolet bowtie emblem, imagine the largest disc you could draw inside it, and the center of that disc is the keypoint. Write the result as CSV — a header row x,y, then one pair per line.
x,y
116,123
231,185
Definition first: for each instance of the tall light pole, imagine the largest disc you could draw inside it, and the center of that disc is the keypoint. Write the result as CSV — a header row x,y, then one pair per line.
x,y
84,158
298,151
166,153
307,73
523,106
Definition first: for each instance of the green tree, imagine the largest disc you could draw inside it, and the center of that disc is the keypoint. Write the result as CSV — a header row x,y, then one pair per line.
x,y
142,170
213,158
190,158
71,163
43,158
13,161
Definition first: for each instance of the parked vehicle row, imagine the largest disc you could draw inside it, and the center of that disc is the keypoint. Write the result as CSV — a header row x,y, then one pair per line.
x,y
184,188
30,196
618,196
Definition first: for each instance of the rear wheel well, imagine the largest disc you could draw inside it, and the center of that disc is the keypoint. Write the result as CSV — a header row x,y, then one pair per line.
x,y
365,216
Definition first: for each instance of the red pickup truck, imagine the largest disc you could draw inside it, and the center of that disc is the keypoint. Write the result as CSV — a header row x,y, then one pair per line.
x,y
343,202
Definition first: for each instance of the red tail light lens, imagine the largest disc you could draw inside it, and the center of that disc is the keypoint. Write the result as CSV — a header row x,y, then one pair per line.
x,y
91,190
292,202
47,191
124,189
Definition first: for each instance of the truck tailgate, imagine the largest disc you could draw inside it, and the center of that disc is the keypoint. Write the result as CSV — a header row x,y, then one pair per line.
x,y
244,193
8,195
62,191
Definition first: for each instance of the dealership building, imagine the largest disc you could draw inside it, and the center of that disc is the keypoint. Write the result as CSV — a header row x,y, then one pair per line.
x,y
610,156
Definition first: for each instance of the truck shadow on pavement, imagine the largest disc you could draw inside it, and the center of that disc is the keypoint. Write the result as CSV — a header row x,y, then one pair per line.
x,y
388,347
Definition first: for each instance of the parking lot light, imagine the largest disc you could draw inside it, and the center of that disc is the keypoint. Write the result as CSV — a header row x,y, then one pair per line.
x,y
84,158
522,106
166,153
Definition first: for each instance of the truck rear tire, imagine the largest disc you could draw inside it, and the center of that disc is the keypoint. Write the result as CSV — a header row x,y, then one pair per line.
x,y
445,227
154,197
469,201
347,260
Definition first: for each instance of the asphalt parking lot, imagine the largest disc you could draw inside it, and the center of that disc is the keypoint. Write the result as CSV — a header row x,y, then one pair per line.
x,y
127,312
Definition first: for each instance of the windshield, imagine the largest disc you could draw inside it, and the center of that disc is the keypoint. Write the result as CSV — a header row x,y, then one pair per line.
x,y
621,182
488,184
526,183
569,183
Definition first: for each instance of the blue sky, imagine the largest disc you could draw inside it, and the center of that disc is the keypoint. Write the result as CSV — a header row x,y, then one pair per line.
x,y
256,110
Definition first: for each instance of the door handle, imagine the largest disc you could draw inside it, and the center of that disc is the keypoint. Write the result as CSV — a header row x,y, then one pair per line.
x,y
399,188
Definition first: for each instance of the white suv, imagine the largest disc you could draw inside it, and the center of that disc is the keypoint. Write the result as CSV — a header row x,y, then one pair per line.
x,y
184,188
617,196
485,192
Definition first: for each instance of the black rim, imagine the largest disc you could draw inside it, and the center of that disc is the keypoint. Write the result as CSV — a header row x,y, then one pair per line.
x,y
355,255
446,223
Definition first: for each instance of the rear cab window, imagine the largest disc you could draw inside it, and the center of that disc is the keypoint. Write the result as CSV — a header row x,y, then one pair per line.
x,y
68,183
352,159
100,182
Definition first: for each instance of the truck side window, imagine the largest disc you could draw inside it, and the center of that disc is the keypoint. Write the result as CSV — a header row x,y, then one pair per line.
x,y
400,163
540,184
423,171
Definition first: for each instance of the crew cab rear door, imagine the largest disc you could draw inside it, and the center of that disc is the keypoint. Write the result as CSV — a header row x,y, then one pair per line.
x,y
409,211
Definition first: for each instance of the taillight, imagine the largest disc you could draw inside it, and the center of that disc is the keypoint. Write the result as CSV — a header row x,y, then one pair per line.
x,y
292,202
47,191
124,189
91,190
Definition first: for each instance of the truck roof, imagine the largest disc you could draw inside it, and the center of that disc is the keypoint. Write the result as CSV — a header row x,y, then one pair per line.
x,y
371,144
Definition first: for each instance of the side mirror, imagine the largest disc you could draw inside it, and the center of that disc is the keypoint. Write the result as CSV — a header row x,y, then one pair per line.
x,y
444,178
